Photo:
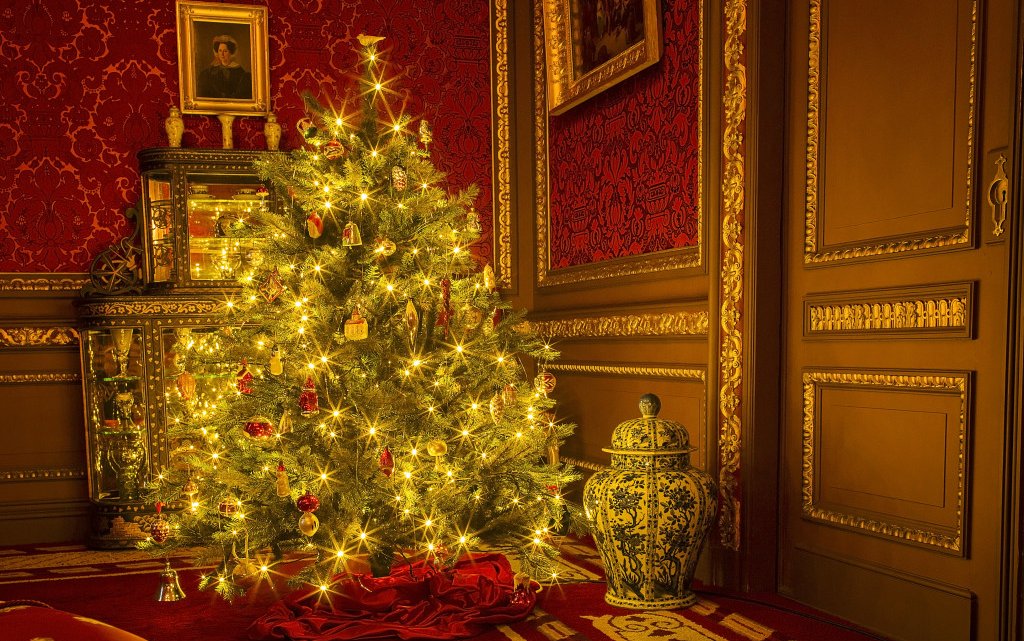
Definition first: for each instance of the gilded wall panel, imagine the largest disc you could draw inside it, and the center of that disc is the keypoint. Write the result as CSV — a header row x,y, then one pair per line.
x,y
901,520
939,310
915,196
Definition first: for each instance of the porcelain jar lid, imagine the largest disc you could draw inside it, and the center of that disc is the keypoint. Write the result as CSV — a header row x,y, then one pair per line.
x,y
650,435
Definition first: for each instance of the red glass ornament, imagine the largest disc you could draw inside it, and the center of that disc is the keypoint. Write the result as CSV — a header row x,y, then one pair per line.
x,y
334,149
228,507
496,318
387,462
244,377
161,529
259,427
314,225
544,383
308,401
308,502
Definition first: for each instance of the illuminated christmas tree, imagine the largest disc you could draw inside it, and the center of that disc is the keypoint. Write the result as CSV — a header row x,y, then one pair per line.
x,y
379,402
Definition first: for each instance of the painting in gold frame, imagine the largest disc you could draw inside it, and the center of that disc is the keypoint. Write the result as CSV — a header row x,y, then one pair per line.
x,y
222,58
594,44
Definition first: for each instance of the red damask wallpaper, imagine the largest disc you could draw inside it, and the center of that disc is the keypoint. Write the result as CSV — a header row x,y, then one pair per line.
x,y
85,84
624,165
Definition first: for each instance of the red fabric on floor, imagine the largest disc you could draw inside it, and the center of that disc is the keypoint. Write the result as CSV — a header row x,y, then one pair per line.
x,y
415,602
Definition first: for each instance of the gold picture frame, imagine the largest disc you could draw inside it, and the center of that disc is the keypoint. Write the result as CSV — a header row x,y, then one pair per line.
x,y
222,58
594,45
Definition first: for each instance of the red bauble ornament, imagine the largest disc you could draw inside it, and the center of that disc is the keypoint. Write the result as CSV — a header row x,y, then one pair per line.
x,y
308,502
244,377
308,401
259,427
229,506
387,462
334,149
497,317
161,529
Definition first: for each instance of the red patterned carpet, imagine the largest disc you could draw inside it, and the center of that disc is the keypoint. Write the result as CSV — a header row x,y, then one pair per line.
x,y
118,588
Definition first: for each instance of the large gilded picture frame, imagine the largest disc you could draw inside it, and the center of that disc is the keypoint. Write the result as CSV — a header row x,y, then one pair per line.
x,y
592,45
222,58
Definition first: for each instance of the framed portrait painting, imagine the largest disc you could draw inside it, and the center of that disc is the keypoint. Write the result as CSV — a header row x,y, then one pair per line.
x,y
594,44
222,58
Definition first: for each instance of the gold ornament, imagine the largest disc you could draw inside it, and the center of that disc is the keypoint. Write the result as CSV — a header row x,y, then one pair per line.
x,y
285,424
544,383
190,488
497,407
366,40
229,506
186,384
281,485
437,447
412,322
350,236
509,393
308,523
245,573
489,280
426,134
276,365
356,327
385,247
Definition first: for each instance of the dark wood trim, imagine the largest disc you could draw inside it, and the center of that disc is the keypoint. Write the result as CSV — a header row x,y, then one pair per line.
x,y
1012,569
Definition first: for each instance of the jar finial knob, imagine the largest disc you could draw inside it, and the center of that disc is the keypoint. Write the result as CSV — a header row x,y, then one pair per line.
x,y
650,405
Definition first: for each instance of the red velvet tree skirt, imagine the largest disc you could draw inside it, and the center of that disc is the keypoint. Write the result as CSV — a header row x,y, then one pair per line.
x,y
417,602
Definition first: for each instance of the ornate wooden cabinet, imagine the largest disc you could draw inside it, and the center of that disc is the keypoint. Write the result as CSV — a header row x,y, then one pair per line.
x,y
150,307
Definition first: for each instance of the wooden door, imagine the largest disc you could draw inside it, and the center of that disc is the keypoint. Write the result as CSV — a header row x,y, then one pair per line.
x,y
895,301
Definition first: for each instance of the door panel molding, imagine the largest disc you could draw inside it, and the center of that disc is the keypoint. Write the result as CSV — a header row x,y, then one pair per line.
x,y
815,249
911,526
679,323
932,311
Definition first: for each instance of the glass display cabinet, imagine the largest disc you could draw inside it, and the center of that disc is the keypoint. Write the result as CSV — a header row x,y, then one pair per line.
x,y
152,307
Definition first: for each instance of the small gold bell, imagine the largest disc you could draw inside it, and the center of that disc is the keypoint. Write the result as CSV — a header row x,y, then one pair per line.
x,y
169,590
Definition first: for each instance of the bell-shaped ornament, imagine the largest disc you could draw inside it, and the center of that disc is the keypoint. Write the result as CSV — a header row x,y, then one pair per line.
x,y
169,590
350,236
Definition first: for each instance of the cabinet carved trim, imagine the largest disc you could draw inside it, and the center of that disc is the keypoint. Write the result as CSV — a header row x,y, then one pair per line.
x,y
38,336
43,474
68,282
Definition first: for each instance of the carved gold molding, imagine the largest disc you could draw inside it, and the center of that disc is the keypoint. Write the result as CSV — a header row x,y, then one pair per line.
x,y
150,306
681,323
892,315
502,221
15,282
580,463
730,353
941,382
43,474
890,246
41,377
653,371
37,336
685,257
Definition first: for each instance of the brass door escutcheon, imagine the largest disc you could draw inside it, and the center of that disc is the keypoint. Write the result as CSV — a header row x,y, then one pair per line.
x,y
998,192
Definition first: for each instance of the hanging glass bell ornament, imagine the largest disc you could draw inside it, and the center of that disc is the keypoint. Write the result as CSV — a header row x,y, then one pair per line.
x,y
285,424
308,401
384,247
544,383
350,236
314,225
169,590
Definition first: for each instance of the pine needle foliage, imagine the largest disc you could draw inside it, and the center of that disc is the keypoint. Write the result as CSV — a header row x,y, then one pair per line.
x,y
428,439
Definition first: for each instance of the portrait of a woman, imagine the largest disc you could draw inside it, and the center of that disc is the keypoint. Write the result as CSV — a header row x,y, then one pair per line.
x,y
224,77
